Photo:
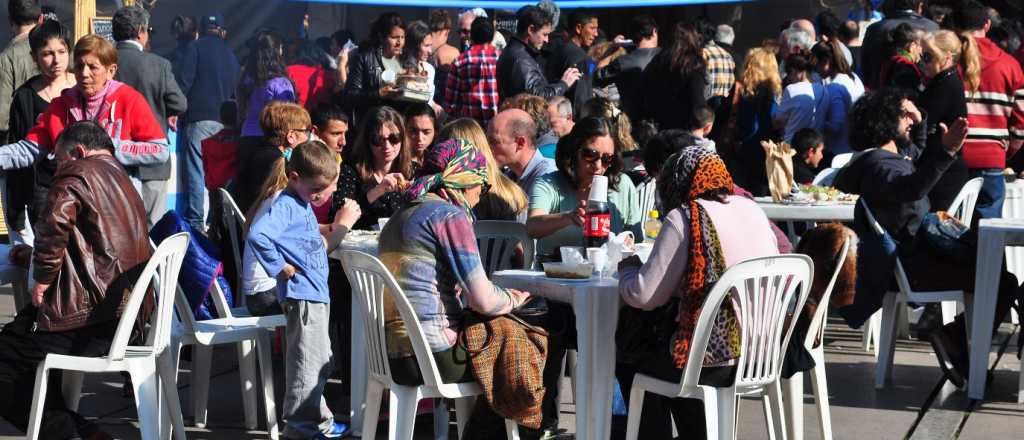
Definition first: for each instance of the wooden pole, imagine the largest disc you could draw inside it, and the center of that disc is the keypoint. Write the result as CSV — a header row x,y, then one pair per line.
x,y
84,10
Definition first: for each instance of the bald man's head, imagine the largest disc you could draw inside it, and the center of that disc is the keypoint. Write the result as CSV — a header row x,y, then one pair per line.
x,y
511,134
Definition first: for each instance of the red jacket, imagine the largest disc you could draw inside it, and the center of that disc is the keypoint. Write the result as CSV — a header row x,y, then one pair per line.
x,y
138,138
995,112
220,153
314,84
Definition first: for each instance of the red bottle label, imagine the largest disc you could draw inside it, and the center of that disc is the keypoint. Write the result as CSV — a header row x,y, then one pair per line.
x,y
597,225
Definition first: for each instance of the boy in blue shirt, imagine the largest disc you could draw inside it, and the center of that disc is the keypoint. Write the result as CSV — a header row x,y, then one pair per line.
x,y
292,247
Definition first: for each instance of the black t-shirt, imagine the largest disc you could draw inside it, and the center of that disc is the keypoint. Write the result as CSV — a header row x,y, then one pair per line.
x,y
27,186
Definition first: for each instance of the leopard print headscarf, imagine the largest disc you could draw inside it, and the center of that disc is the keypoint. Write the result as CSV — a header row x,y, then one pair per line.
x,y
686,176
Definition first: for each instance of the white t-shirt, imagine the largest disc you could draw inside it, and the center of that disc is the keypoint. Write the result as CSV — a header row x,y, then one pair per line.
x,y
254,276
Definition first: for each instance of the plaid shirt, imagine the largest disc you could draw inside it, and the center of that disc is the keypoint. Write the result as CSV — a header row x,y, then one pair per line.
x,y
472,87
720,69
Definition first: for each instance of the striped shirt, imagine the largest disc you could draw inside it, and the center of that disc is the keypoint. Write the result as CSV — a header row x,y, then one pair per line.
x,y
995,112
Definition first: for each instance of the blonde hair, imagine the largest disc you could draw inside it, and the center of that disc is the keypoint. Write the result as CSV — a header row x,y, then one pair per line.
x,y
964,51
760,71
506,199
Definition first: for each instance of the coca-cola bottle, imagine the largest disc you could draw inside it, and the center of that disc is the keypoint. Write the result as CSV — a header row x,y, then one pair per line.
x,y
597,222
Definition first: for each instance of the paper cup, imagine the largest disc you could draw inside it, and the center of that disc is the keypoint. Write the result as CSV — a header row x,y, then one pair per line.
x,y
381,222
599,258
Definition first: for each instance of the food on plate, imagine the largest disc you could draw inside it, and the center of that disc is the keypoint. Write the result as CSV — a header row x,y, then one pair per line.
x,y
568,271
816,193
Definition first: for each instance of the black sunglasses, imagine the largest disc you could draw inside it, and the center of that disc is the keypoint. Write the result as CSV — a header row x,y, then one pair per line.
x,y
391,139
591,155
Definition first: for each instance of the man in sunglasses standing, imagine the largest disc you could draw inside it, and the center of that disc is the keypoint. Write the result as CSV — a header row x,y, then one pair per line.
x,y
153,77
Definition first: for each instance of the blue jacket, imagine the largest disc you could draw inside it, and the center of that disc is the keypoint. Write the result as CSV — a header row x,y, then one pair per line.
x,y
208,75
201,268
289,234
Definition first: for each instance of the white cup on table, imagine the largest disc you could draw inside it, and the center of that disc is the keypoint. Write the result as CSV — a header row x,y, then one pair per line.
x,y
599,258
381,222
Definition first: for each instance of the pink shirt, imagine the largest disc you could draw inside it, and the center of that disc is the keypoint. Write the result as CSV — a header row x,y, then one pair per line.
x,y
743,231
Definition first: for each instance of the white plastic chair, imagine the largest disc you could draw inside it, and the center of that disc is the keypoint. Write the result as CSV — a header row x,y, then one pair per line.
x,y
497,241
150,365
893,300
370,280
840,160
241,330
766,291
793,388
234,220
961,208
647,192
1013,207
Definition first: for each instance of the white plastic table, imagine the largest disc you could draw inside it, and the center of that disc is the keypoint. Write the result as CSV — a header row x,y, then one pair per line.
x,y
832,211
993,237
789,213
596,304
367,242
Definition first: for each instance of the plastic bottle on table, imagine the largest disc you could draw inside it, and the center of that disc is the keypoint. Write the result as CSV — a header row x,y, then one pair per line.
x,y
652,226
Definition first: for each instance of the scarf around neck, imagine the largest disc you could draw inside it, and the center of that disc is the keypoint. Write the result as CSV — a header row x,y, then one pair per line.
x,y
692,172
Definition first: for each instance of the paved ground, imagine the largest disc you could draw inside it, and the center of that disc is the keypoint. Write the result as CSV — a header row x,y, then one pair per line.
x,y
918,405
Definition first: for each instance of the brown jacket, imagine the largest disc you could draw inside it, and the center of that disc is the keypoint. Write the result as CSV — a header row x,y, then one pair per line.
x,y
91,244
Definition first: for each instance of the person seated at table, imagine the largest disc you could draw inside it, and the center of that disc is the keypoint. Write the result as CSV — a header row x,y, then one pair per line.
x,y
377,168
809,147
505,200
259,288
697,191
284,125
888,129
430,248
558,199
90,247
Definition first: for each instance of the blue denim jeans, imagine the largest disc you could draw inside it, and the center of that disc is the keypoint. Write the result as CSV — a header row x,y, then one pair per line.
x,y
993,192
193,185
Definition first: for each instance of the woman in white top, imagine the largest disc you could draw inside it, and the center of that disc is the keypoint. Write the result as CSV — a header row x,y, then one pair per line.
x,y
416,56
707,229
843,88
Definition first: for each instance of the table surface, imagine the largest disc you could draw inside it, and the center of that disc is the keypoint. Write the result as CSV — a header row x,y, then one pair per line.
x,y
823,211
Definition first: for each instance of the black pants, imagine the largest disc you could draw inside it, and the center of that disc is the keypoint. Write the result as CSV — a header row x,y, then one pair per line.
x,y
688,413
341,323
22,350
263,303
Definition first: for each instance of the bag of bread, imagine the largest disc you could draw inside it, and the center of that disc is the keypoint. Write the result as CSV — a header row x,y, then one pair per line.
x,y
779,166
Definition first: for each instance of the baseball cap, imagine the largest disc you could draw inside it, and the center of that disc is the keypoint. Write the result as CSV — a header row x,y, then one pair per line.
x,y
213,20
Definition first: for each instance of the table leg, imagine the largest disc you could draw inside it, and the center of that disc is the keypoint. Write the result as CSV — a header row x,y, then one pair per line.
x,y
986,289
596,318
358,373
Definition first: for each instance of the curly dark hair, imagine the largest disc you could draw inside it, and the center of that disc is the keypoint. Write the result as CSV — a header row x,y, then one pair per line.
x,y
381,28
567,153
875,118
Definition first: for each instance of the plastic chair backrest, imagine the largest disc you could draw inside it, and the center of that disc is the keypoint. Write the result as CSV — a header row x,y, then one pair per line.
x,y
234,219
497,242
1013,207
963,205
840,160
826,177
816,330
647,192
766,290
161,272
371,281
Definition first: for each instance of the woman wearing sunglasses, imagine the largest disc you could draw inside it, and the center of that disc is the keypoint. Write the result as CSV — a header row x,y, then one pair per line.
x,y
558,200
377,168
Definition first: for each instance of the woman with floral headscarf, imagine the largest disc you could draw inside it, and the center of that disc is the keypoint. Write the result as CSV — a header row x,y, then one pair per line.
x,y
707,229
430,248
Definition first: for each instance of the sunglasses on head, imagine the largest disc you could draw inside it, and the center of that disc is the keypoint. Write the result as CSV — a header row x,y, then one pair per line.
x,y
391,139
591,155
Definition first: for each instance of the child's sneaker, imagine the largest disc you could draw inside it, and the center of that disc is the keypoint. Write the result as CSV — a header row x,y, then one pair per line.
x,y
337,430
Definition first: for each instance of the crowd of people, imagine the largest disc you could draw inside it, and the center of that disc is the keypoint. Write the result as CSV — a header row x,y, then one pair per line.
x,y
316,138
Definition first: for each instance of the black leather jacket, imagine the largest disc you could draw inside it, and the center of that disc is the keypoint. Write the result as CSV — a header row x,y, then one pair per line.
x,y
362,91
518,72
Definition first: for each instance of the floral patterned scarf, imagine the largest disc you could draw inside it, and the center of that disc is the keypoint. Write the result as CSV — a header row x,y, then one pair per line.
x,y
686,176
447,169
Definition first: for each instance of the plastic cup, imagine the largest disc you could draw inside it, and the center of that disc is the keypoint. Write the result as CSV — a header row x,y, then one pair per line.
x,y
599,258
381,222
